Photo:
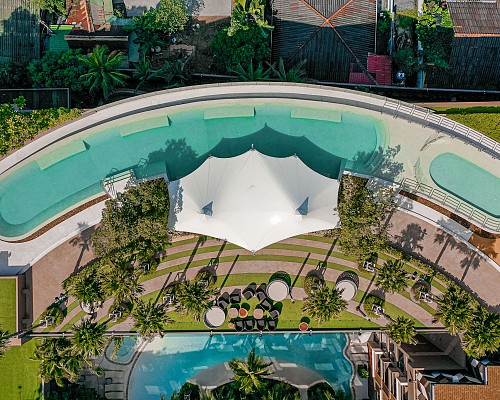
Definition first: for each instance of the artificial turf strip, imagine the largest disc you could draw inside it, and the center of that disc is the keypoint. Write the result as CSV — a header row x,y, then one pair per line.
x,y
73,321
8,304
19,373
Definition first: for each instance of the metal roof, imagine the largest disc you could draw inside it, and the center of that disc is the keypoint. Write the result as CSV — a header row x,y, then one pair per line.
x,y
475,18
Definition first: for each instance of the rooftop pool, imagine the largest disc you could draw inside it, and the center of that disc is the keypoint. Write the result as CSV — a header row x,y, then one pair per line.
x,y
176,143
166,364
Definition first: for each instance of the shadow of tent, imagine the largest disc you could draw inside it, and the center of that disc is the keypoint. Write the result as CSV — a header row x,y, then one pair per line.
x,y
276,144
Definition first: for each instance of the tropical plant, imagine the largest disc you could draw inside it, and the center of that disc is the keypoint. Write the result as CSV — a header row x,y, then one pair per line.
x,y
4,341
362,215
280,391
122,283
58,362
251,74
244,47
148,42
482,334
143,72
363,371
88,339
312,283
323,391
174,73
103,77
454,309
369,302
249,373
193,298
246,13
14,75
391,277
134,224
150,318
169,15
117,344
72,391
54,312
88,289
294,74
57,7
324,304
402,330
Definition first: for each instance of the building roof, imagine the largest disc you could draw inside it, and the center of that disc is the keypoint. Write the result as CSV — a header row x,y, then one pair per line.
x,y
253,200
330,34
475,18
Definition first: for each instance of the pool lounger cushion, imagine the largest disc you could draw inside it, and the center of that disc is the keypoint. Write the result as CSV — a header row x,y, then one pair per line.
x,y
317,114
61,153
145,124
230,112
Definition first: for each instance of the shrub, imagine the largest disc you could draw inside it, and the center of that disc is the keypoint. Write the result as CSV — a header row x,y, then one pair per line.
x,y
311,284
369,302
363,371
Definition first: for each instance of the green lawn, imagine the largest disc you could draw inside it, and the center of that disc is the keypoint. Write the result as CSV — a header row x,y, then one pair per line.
x,y
19,374
8,304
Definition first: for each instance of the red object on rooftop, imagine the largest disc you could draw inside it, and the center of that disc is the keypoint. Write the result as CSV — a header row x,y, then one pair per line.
x,y
379,66
79,15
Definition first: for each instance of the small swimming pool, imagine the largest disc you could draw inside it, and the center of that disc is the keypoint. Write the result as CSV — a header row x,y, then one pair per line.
x,y
126,351
167,363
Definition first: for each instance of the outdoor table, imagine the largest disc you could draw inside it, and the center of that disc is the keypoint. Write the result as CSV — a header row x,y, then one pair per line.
x,y
232,313
243,313
349,289
214,317
277,290
258,313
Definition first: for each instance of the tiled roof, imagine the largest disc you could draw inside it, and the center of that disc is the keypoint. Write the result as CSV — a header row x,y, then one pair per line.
x,y
475,18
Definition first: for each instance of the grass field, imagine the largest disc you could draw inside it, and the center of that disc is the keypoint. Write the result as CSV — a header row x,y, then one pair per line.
x,y
8,304
19,374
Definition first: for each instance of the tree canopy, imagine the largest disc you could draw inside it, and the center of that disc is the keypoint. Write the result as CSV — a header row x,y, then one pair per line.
x,y
169,15
402,330
324,304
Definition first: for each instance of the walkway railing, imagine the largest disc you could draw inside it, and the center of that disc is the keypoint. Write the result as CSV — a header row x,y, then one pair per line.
x,y
439,122
452,203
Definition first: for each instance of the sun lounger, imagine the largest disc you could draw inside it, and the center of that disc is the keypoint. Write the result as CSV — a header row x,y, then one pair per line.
x,y
114,387
266,305
261,324
249,292
271,324
235,296
115,395
249,324
274,313
114,374
261,296
238,325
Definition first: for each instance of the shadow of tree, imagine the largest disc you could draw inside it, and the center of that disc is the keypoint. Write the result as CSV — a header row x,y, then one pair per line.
x,y
381,163
410,237
84,241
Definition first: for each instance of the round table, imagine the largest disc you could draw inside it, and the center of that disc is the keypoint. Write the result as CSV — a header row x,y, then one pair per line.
x,y
232,313
349,289
277,290
243,313
303,326
258,313
214,317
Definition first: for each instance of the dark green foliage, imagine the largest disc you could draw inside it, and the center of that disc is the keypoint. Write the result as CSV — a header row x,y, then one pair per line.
x,y
406,60
324,304
59,70
242,48
470,110
391,277
363,371
57,7
14,76
73,391
369,302
323,391
188,389
402,330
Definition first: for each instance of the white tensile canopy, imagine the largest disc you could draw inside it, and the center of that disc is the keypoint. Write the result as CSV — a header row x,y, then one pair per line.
x,y
253,200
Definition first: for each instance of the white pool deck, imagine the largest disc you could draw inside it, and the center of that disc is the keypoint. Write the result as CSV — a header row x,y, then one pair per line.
x,y
414,145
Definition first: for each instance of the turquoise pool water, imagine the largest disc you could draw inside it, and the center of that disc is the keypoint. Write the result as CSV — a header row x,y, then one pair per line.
x,y
176,358
125,352
468,182
41,189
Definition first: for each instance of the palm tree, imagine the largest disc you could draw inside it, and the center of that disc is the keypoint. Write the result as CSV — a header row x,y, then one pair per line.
x,y
281,391
174,73
103,75
391,277
4,341
249,373
252,74
122,283
89,340
295,74
193,298
402,330
150,318
324,304
482,335
143,72
88,289
454,309
58,362
54,312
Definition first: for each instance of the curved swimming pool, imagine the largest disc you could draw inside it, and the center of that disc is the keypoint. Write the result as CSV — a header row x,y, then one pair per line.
x,y
167,363
176,143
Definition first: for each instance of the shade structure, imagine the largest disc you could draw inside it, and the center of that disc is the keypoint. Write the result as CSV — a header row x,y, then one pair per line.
x,y
277,290
214,317
253,200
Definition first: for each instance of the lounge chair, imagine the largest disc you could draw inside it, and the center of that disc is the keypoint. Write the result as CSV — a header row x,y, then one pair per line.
x,y
261,296
266,305
114,374
274,313
249,292
223,301
115,395
262,288
114,387
249,324
271,324
235,296
238,325
261,324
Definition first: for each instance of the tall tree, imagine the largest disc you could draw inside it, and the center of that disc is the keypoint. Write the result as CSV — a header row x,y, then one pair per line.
x,y
249,373
391,277
454,309
150,318
362,215
402,330
194,299
122,283
89,340
103,76
169,15
324,304
482,334
246,13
